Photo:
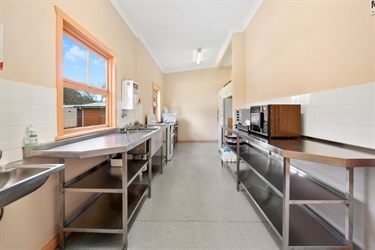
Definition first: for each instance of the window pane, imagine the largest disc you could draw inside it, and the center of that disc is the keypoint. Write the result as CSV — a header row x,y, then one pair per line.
x,y
83,109
97,71
74,60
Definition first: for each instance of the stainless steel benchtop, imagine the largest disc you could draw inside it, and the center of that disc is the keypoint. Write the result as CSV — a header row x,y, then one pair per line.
x,y
92,146
313,150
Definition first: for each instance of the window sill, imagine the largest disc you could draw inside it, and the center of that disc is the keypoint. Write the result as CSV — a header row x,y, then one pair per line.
x,y
86,132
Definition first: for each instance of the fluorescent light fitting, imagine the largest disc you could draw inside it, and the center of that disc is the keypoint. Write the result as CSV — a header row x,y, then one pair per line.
x,y
199,53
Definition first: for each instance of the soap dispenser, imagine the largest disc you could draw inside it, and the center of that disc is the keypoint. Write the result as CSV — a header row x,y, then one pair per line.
x,y
31,138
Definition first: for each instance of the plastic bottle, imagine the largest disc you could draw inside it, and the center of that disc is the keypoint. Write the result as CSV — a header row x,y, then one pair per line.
x,y
151,118
31,138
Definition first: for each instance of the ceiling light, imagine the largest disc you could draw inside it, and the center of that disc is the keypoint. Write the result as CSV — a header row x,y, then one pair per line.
x,y
199,53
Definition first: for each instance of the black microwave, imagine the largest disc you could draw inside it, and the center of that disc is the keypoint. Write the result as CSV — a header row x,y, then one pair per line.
x,y
276,120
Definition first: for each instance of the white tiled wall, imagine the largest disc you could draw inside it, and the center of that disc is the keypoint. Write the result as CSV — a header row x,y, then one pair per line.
x,y
22,104
344,115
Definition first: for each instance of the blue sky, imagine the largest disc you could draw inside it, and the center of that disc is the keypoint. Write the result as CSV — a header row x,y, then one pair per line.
x,y
75,64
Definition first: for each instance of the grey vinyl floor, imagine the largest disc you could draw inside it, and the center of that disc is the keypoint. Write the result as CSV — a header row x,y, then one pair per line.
x,y
194,206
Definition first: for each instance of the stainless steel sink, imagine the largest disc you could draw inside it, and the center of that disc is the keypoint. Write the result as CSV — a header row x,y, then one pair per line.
x,y
142,148
138,130
17,180
147,128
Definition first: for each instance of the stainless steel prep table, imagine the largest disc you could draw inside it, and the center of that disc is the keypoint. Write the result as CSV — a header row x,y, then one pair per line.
x,y
102,180
269,160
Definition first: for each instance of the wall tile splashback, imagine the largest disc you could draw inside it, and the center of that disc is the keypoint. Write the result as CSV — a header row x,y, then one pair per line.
x,y
22,104
344,115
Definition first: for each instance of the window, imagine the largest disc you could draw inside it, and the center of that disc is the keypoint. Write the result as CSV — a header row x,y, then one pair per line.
x,y
156,101
85,81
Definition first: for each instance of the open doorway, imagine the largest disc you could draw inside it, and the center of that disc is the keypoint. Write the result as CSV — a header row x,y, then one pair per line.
x,y
225,114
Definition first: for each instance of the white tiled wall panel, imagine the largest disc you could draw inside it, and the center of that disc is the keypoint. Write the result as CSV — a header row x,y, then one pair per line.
x,y
344,115
22,104
128,116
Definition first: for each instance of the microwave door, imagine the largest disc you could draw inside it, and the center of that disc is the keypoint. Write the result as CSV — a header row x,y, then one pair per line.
x,y
255,120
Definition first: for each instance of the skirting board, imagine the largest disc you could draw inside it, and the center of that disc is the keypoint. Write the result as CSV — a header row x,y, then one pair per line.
x,y
52,244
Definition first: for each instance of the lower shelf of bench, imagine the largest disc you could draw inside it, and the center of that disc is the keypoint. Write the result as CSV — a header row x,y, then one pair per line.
x,y
104,214
305,228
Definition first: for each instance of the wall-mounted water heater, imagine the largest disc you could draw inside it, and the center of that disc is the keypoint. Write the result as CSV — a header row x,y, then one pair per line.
x,y
129,94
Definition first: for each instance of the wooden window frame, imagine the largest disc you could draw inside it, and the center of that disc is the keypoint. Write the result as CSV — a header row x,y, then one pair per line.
x,y
67,26
156,110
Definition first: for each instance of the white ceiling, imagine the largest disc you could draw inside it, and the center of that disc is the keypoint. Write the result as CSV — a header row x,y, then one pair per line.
x,y
172,30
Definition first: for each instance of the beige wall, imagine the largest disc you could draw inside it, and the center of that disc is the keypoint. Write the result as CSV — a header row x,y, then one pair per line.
x,y
26,225
147,73
30,57
238,70
194,95
29,43
300,47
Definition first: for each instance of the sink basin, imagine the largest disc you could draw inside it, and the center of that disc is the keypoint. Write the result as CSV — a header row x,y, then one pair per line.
x,y
142,148
17,180
147,128
138,130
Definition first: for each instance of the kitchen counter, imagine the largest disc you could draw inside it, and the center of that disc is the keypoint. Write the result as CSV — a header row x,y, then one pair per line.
x,y
313,150
94,145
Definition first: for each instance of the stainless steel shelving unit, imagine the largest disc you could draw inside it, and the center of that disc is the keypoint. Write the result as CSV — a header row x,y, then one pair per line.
x,y
103,213
113,202
114,195
283,193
